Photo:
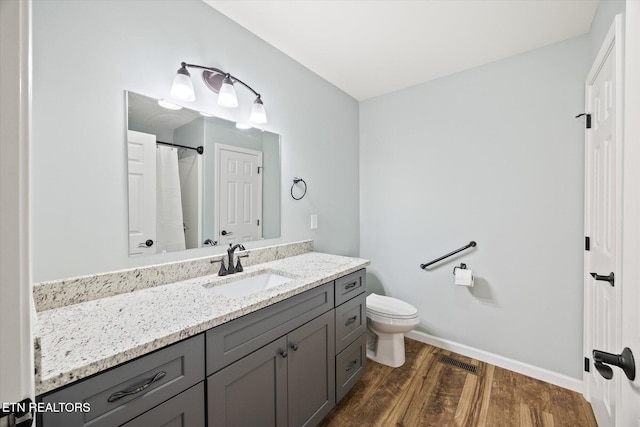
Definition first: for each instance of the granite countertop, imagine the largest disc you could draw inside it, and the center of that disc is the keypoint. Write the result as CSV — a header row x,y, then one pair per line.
x,y
82,339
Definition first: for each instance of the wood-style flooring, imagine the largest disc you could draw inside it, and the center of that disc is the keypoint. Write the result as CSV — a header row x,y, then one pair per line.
x,y
427,392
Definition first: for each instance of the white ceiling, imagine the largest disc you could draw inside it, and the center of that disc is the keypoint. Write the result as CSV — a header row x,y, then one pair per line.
x,y
369,48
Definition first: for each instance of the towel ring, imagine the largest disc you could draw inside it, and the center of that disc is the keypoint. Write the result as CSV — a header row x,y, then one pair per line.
x,y
295,181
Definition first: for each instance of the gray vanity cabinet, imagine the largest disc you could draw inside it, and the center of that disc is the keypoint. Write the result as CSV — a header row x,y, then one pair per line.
x,y
288,382
351,327
284,365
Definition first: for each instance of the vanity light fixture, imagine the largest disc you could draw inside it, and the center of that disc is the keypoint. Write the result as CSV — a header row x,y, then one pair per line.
x,y
219,82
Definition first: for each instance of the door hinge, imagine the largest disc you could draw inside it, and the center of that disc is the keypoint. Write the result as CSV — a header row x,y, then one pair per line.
x,y
259,169
588,117
258,222
587,243
587,365
19,414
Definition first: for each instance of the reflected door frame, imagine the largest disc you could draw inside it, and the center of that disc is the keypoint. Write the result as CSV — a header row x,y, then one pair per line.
x,y
250,228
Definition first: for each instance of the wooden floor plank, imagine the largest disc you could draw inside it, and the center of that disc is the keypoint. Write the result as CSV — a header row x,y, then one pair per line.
x,y
426,392
487,381
504,408
415,397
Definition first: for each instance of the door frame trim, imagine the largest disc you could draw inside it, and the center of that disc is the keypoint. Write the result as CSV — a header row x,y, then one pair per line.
x,y
16,304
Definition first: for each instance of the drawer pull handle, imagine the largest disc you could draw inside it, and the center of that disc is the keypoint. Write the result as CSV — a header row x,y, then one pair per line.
x,y
350,285
120,394
351,365
350,320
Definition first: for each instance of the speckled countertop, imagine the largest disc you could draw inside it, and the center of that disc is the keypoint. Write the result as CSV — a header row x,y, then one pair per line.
x,y
82,339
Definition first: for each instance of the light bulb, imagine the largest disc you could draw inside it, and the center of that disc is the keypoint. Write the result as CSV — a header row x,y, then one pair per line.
x,y
227,95
258,113
182,87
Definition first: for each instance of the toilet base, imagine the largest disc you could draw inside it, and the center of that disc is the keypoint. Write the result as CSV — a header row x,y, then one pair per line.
x,y
387,349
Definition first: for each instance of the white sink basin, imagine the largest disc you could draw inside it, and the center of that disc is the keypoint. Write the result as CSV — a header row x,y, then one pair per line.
x,y
250,285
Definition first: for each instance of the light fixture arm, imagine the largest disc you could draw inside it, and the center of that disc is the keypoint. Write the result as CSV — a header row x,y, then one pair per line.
x,y
219,71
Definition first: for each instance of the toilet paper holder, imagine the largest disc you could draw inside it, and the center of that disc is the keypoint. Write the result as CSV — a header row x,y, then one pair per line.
x,y
462,266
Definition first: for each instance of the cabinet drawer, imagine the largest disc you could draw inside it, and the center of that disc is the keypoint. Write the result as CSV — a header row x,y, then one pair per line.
x,y
235,339
133,388
351,321
350,366
349,286
184,410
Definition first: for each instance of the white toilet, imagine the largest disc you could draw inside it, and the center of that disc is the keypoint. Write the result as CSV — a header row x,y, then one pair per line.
x,y
387,320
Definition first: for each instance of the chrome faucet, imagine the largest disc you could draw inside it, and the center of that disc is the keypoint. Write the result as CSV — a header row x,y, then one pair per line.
x,y
231,268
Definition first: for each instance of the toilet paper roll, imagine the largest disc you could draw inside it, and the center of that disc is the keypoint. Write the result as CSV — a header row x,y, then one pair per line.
x,y
464,277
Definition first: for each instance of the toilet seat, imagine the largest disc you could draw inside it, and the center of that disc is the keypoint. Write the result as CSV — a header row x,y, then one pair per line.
x,y
388,307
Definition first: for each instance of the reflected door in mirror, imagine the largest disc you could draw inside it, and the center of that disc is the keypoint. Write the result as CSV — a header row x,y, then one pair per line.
x,y
142,188
240,194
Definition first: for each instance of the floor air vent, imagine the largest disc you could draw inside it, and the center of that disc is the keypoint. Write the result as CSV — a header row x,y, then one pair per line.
x,y
472,369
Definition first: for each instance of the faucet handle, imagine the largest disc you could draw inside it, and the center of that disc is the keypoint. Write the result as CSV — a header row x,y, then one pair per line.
x,y
239,267
223,270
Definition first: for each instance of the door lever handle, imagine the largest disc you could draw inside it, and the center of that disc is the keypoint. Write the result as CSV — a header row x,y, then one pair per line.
x,y
624,361
610,278
146,244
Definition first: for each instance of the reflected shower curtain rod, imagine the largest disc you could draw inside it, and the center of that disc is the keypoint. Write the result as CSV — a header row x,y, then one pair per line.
x,y
199,149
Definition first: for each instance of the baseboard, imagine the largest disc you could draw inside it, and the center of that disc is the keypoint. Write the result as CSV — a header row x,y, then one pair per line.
x,y
503,362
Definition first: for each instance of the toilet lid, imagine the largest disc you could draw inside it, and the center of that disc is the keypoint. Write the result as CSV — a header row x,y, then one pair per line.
x,y
390,307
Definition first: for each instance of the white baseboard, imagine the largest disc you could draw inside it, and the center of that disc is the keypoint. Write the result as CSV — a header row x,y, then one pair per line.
x,y
503,362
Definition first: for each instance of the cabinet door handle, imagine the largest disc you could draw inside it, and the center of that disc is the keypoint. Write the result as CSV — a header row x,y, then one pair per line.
x,y
351,365
283,353
351,285
350,320
120,394
294,347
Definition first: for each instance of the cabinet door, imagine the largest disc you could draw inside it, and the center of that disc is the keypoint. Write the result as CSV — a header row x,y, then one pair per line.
x,y
311,375
252,391
183,410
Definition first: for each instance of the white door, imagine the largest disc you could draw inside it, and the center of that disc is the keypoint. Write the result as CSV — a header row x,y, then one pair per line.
x,y
142,192
603,186
239,194
629,414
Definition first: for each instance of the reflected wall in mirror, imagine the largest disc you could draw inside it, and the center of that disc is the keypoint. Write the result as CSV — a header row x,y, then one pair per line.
x,y
196,180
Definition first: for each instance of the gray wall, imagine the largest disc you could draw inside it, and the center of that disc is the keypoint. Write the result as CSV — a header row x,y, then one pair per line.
x,y
494,155
607,10
87,53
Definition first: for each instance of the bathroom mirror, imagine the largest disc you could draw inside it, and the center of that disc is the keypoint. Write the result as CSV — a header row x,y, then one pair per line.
x,y
195,180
